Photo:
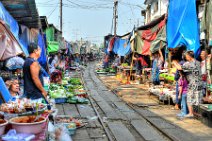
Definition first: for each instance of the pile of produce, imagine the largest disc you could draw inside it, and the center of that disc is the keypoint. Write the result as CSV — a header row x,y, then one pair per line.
x,y
71,90
167,77
100,70
124,65
110,70
75,81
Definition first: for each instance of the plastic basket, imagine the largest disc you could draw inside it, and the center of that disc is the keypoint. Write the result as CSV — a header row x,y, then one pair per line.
x,y
60,100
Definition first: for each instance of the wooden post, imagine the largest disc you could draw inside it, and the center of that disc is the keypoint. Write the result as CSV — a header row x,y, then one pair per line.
x,y
131,66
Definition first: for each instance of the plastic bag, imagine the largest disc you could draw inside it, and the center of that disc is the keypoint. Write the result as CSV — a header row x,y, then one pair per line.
x,y
13,136
58,133
15,63
51,127
65,137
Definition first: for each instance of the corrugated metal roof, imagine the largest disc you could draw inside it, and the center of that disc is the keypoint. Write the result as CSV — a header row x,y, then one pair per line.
x,y
44,22
24,11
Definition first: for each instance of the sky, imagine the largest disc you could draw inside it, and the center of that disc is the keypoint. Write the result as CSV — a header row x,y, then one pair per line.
x,y
91,19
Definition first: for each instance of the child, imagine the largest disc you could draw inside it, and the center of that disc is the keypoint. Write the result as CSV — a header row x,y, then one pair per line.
x,y
183,84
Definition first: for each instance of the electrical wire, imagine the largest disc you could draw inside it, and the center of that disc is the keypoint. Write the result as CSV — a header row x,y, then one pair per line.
x,y
52,11
83,6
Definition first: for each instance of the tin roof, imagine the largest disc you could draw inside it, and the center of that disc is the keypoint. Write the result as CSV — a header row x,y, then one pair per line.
x,y
24,11
44,22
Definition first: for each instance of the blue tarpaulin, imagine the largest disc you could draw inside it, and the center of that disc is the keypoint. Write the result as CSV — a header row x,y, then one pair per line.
x,y
4,91
9,20
24,46
42,60
121,47
182,25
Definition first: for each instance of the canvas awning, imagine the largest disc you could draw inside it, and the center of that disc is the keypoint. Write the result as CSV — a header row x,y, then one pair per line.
x,y
9,46
150,36
52,46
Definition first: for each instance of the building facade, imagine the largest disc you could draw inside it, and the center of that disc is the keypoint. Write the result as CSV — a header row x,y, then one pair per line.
x,y
154,9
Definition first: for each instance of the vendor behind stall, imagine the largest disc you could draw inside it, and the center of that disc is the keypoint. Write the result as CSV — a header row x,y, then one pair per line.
x,y
116,63
157,65
13,86
106,61
54,62
140,63
205,68
61,63
56,77
33,80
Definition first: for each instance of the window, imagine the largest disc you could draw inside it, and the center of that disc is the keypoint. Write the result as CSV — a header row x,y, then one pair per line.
x,y
149,14
155,7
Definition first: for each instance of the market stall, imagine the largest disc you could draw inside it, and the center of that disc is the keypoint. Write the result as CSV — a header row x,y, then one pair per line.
x,y
69,90
24,118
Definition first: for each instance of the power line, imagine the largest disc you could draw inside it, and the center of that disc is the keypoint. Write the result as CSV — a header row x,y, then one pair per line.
x,y
52,12
82,6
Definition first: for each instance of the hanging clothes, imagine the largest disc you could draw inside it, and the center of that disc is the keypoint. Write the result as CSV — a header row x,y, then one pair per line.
x,y
182,25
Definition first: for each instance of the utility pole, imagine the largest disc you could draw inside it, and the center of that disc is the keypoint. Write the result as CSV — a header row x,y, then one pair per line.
x,y
115,16
61,16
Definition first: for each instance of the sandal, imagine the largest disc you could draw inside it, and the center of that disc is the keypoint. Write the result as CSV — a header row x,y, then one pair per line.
x,y
174,108
189,116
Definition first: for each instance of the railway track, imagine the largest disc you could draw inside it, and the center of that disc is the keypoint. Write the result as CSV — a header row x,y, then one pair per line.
x,y
121,121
